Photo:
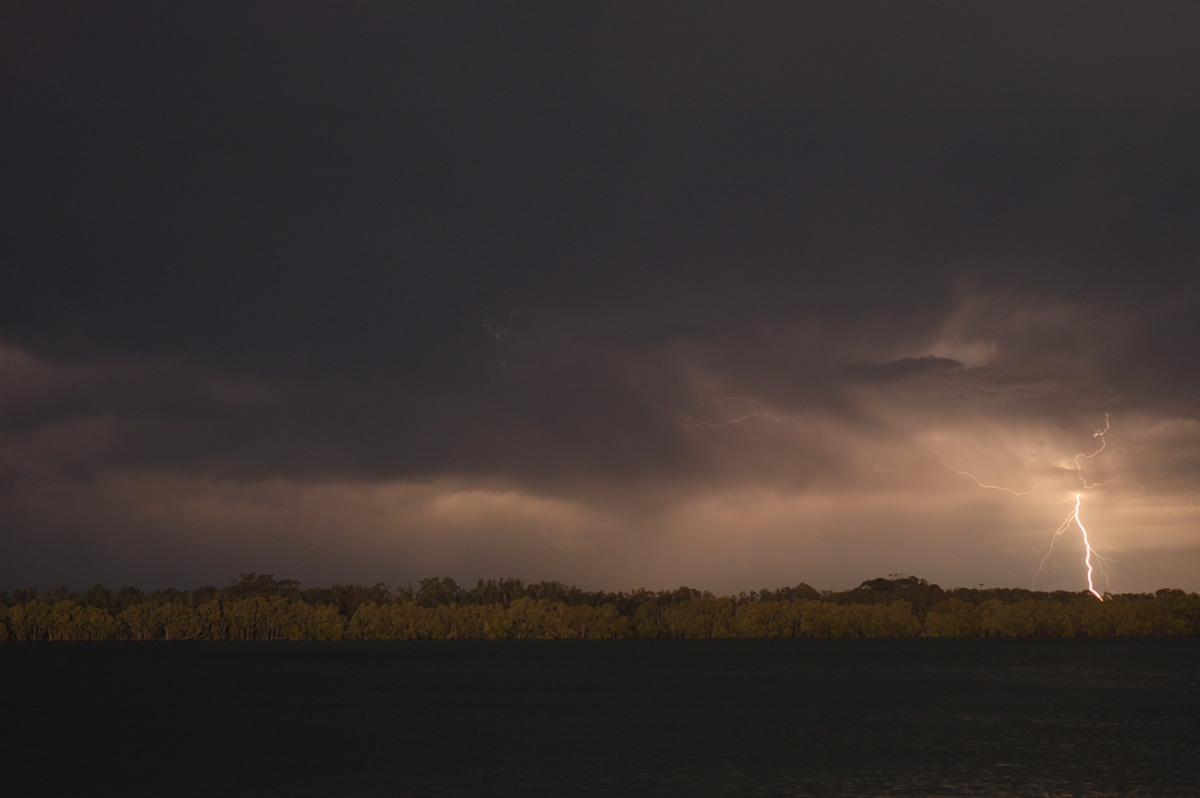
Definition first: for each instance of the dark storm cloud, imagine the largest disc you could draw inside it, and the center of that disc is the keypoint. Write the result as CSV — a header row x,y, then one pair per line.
x,y
533,243
908,367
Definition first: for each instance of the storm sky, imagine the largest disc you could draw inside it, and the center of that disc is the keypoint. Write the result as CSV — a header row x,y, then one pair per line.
x,y
731,296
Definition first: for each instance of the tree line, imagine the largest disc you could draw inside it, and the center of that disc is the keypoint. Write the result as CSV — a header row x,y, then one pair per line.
x,y
260,607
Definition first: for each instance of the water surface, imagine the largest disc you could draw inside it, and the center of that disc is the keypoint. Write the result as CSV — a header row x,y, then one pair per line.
x,y
1075,717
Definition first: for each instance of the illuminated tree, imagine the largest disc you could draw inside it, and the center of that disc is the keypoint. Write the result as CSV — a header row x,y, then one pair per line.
x,y
952,618
177,621
140,621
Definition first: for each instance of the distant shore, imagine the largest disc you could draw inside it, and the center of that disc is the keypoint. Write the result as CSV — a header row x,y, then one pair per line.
x,y
260,607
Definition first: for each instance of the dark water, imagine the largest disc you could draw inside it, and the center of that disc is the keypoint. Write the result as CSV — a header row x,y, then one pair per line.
x,y
636,718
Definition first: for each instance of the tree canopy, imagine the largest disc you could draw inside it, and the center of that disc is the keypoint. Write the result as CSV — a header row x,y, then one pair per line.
x,y
260,607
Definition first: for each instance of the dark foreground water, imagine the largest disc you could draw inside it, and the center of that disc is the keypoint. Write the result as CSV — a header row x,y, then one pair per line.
x,y
636,718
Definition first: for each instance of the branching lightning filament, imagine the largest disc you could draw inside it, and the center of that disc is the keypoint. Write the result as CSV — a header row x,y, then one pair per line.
x,y
1099,433
1088,552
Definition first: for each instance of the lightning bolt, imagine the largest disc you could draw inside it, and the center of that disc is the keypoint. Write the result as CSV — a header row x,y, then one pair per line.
x,y
1073,520
1088,552
1092,561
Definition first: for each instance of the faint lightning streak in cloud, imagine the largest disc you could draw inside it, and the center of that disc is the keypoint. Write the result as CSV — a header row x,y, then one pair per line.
x,y
495,334
982,484
689,424
492,331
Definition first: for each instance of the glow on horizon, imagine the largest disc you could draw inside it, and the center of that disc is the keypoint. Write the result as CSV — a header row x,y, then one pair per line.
x,y
798,494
